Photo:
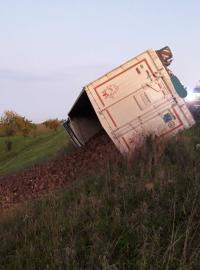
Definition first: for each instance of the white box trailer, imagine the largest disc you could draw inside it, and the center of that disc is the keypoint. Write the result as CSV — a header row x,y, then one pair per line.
x,y
129,102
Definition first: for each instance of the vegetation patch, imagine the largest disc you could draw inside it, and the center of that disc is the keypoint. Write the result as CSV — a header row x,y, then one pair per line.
x,y
27,151
145,215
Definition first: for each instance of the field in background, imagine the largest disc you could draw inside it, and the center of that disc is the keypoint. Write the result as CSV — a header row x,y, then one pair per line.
x,y
27,151
145,216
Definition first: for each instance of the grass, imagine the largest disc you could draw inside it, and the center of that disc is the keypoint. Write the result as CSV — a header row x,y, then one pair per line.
x,y
27,151
142,216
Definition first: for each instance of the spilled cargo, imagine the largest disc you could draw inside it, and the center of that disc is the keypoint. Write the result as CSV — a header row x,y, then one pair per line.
x,y
140,97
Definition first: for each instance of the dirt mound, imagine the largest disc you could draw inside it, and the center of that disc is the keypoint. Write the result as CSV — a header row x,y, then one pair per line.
x,y
41,179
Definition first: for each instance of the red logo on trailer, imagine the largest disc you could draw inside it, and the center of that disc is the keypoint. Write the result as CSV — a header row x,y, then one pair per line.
x,y
110,91
171,124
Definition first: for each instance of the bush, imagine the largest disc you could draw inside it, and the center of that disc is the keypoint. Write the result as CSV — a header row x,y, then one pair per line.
x,y
8,144
52,124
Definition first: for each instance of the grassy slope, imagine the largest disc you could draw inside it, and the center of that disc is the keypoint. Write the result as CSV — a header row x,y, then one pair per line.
x,y
142,218
27,151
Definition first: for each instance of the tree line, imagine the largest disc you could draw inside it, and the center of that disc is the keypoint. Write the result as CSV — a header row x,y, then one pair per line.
x,y
12,124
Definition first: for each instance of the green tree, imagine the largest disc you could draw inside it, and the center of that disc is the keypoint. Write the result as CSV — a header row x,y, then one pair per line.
x,y
52,124
11,124
9,127
8,122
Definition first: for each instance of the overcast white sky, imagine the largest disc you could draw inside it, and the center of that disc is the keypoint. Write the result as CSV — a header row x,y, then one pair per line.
x,y
50,49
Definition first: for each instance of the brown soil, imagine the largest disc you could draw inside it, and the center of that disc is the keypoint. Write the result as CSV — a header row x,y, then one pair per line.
x,y
56,174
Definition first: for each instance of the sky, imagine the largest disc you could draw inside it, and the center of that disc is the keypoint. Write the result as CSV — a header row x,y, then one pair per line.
x,y
50,49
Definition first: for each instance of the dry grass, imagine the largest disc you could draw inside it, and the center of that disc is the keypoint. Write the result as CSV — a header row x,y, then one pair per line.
x,y
142,216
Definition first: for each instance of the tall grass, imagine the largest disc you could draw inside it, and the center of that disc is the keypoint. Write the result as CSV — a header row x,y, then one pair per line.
x,y
142,216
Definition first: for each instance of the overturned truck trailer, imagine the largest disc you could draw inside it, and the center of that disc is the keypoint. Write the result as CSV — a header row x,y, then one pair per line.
x,y
139,97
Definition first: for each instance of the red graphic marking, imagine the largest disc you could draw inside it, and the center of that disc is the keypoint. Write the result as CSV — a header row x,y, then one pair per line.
x,y
99,96
126,143
184,113
175,112
113,121
169,131
143,60
110,91
171,124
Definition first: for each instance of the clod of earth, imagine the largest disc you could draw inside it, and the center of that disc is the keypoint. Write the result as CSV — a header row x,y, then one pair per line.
x,y
54,175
